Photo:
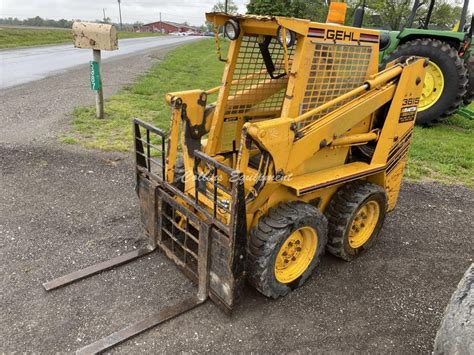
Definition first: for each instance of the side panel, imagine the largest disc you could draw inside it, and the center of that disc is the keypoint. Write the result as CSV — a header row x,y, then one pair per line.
x,y
393,182
396,134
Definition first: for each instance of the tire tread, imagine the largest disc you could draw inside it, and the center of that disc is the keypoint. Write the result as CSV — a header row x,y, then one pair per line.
x,y
460,69
266,235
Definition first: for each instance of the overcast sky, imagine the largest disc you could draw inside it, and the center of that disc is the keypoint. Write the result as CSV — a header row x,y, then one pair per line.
x,y
132,10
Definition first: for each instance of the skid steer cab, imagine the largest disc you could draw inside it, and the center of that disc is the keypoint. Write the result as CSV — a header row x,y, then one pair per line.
x,y
302,151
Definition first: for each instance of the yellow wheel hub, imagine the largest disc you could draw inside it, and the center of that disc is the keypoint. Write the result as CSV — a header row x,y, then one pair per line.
x,y
296,254
432,86
363,224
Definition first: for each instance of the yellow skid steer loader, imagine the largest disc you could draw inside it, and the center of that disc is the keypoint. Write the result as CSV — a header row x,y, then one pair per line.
x,y
303,151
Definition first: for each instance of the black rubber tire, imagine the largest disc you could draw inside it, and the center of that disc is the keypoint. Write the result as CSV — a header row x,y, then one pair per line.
x,y
469,62
341,211
267,237
454,71
455,335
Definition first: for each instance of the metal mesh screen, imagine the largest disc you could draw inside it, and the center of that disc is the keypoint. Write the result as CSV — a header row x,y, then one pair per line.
x,y
252,88
336,69
179,234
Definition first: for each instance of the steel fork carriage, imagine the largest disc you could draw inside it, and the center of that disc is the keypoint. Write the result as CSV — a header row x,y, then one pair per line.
x,y
209,249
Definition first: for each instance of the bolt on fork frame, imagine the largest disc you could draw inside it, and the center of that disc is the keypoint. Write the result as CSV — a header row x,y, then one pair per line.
x,y
154,200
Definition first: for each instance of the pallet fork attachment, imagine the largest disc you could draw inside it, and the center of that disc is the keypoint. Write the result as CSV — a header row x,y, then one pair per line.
x,y
134,329
141,326
96,268
183,230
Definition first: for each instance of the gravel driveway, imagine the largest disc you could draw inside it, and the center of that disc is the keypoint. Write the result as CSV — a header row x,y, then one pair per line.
x,y
64,207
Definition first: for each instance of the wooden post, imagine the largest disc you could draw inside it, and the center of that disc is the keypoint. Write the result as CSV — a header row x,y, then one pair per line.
x,y
99,95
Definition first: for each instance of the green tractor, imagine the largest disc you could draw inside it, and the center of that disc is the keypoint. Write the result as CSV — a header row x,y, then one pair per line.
x,y
449,81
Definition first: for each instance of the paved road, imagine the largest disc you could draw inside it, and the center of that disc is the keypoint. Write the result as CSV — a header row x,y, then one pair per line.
x,y
63,207
18,66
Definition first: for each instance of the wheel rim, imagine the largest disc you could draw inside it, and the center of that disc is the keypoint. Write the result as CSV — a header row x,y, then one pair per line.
x,y
363,224
432,86
296,254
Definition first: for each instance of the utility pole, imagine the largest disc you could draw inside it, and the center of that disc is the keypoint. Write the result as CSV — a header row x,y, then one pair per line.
x,y
225,6
161,24
105,18
120,13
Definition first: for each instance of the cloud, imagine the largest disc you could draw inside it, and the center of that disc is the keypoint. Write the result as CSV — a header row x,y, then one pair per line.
x,y
191,11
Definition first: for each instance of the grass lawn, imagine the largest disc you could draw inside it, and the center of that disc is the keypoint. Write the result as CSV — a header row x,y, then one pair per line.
x,y
444,152
12,37
193,66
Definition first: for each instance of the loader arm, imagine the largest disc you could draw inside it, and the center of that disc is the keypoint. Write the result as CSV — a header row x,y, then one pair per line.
x,y
291,144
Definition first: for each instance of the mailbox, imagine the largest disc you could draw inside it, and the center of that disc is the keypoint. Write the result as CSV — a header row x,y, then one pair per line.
x,y
99,36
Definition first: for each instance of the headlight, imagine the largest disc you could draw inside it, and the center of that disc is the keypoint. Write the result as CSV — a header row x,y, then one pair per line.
x,y
232,29
290,36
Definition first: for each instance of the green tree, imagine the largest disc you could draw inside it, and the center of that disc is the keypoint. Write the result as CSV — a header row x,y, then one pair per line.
x,y
393,14
445,15
315,10
388,13
269,7
232,8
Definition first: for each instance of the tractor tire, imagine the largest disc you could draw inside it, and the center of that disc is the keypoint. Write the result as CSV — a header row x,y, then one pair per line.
x,y
355,217
446,71
285,247
469,62
455,335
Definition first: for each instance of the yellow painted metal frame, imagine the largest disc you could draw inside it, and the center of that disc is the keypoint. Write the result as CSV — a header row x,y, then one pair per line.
x,y
309,163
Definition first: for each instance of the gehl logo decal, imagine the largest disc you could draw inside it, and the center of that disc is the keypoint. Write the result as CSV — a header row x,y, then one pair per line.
x,y
340,35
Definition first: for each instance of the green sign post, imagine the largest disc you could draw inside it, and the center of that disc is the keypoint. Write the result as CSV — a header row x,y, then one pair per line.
x,y
96,83
95,76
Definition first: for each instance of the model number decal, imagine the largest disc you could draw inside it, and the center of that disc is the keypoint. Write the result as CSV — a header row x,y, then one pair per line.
x,y
411,101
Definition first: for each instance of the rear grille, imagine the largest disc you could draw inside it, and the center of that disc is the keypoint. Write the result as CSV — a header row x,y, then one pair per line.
x,y
336,69
252,88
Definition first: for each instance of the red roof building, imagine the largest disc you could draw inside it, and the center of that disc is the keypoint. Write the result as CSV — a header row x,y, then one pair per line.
x,y
165,27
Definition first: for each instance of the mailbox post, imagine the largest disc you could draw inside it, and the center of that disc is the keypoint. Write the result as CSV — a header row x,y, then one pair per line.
x,y
95,36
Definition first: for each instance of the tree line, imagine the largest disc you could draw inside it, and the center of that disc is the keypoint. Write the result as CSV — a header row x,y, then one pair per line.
x,y
387,14
63,23
37,22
